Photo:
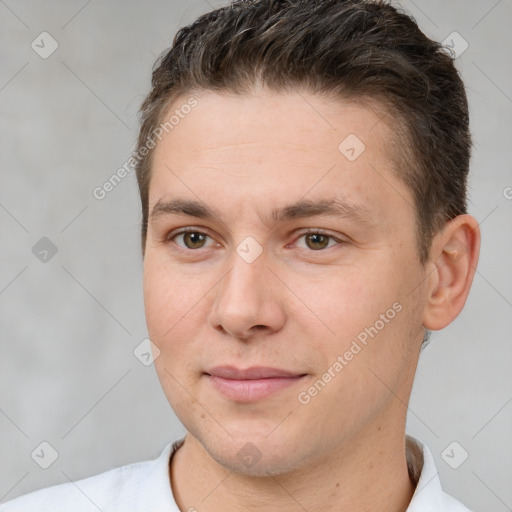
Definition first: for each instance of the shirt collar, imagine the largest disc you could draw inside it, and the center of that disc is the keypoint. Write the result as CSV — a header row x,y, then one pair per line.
x,y
422,471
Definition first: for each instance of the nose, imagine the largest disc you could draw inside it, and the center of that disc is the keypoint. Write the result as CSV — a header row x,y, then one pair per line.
x,y
249,300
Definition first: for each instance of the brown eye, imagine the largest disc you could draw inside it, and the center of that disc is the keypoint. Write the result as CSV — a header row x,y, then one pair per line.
x,y
317,241
194,240
189,239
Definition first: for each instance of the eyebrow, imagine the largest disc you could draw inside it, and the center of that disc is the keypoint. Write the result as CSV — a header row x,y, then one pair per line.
x,y
301,209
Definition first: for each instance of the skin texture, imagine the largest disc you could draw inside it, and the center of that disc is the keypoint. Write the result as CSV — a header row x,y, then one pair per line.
x,y
294,307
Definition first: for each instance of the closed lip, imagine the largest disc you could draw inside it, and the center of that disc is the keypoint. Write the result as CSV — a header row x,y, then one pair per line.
x,y
252,373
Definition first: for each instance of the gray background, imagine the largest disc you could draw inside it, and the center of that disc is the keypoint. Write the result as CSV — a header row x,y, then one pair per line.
x,y
69,325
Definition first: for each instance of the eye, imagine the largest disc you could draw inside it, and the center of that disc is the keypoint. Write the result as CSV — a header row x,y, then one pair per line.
x,y
318,240
190,238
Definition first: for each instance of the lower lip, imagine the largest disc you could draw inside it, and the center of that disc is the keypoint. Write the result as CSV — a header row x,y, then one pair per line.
x,y
251,390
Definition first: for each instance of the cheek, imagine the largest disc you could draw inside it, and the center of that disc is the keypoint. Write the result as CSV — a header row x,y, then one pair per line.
x,y
369,358
367,317
176,313
345,300
172,307
168,298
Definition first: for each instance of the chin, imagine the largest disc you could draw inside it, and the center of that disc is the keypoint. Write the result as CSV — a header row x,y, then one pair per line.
x,y
249,460
257,453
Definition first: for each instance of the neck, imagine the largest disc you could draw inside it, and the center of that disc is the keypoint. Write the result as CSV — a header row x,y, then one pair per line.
x,y
365,474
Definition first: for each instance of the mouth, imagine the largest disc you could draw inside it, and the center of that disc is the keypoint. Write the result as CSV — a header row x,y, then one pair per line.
x,y
251,384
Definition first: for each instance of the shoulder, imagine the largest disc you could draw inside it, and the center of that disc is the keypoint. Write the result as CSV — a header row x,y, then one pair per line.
x,y
127,488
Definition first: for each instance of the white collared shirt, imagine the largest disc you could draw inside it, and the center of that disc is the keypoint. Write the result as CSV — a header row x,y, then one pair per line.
x,y
145,486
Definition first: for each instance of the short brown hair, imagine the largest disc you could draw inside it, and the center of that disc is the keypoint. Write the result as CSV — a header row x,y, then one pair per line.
x,y
347,49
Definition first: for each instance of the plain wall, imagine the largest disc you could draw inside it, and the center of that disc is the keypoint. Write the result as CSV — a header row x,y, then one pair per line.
x,y
68,375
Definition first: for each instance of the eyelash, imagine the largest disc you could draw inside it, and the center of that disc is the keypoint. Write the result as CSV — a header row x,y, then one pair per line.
x,y
169,238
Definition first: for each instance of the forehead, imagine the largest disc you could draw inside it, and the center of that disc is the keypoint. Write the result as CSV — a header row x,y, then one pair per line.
x,y
296,118
272,145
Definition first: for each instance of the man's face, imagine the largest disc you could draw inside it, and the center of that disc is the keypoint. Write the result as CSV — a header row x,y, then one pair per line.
x,y
334,299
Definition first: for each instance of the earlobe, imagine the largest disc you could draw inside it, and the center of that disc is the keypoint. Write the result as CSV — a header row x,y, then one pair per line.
x,y
454,257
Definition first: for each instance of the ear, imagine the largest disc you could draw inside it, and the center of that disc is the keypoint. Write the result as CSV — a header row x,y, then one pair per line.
x,y
452,265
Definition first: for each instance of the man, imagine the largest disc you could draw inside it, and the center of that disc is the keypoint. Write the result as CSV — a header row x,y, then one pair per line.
x,y
302,168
